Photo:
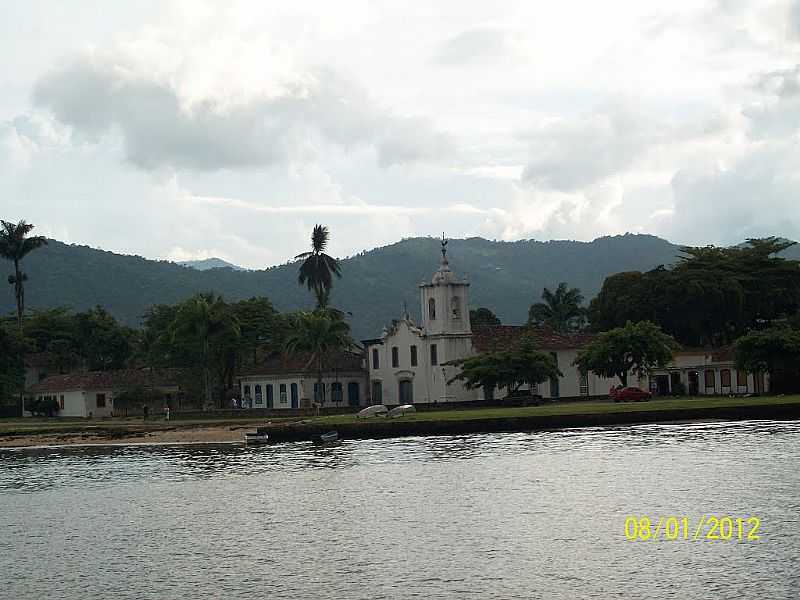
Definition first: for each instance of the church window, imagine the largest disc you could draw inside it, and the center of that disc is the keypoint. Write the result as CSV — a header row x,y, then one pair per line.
x,y
375,361
395,357
413,356
455,306
432,309
434,356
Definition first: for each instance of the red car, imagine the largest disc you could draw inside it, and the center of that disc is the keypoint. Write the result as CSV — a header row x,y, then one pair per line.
x,y
629,394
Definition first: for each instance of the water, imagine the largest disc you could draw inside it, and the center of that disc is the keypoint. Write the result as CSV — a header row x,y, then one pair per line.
x,y
485,516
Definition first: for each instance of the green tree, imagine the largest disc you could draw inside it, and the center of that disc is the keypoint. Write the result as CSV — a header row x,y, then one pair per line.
x,y
317,269
482,317
102,342
15,244
262,328
205,326
12,368
560,310
510,369
775,351
318,334
635,348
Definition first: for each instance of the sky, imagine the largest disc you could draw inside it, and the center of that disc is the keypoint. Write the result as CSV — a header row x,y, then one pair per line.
x,y
191,129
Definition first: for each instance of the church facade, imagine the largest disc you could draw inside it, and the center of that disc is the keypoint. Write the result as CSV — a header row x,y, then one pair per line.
x,y
407,363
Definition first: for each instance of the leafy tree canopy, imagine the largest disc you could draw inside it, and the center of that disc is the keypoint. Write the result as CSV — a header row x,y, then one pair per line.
x,y
768,350
635,348
561,310
482,317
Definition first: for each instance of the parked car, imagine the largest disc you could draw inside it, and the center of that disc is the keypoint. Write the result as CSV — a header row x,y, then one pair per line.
x,y
629,394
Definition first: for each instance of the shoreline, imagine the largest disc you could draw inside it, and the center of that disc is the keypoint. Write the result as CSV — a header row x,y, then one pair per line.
x,y
454,422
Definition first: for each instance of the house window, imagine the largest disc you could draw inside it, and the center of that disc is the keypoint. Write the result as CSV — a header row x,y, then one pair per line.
x,y
413,356
293,390
247,391
377,392
395,357
710,379
101,400
319,393
61,402
432,309
434,356
375,362
259,399
336,392
741,378
455,307
725,378
584,384
270,398
284,399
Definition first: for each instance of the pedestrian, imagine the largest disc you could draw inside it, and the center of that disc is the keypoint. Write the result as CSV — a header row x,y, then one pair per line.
x,y
166,412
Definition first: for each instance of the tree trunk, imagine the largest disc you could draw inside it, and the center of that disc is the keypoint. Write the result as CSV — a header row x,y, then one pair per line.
x,y
19,293
319,384
623,377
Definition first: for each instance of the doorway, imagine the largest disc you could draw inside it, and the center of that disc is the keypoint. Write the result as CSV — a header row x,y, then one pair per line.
x,y
694,383
406,390
352,394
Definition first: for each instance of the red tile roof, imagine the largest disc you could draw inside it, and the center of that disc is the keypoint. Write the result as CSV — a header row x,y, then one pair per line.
x,y
109,380
501,337
301,363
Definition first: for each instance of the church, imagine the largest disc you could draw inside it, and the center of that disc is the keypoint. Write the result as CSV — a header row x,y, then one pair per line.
x,y
407,363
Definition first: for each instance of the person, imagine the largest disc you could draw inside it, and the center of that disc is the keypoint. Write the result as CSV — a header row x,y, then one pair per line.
x,y
145,410
166,412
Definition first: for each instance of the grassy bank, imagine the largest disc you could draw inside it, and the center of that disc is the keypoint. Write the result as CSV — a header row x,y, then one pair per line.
x,y
428,422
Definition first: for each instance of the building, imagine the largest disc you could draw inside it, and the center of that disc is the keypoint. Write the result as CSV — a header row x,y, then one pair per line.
x,y
286,382
706,372
407,362
92,394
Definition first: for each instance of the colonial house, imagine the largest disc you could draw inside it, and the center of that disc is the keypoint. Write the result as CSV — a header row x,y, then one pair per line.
x,y
407,363
92,394
286,382
706,372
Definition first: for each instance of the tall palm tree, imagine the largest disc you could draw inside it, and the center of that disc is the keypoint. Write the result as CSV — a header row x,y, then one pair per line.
x,y
560,310
205,324
16,245
318,268
319,334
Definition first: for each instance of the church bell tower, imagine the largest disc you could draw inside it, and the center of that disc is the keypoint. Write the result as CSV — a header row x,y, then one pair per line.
x,y
445,301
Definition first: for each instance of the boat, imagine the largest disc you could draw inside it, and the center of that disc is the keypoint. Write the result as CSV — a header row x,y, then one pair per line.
x,y
255,438
326,438
377,410
399,411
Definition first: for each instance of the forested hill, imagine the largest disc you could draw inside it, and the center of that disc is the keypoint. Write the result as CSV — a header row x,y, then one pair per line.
x,y
505,276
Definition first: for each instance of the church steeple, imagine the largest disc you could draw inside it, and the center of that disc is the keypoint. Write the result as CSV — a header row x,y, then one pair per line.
x,y
445,306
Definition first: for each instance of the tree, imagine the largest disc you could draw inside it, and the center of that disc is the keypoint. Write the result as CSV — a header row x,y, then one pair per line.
x,y
510,369
635,348
16,245
262,328
206,327
12,368
102,342
560,310
317,270
775,351
482,317
319,334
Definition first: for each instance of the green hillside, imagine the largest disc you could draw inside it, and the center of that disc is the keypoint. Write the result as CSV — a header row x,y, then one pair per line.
x,y
505,276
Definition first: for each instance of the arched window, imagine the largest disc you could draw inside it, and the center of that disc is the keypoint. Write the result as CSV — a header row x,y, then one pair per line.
x,y
336,392
725,378
258,394
432,309
455,307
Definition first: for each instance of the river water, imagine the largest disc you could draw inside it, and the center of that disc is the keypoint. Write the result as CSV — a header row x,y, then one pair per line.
x,y
483,516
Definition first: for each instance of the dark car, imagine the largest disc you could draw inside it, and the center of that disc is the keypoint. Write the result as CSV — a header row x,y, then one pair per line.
x,y
629,394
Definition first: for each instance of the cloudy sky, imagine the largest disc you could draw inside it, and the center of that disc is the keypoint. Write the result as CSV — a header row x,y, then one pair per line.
x,y
193,129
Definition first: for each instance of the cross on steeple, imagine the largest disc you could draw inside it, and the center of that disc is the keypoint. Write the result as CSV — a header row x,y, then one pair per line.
x,y
444,248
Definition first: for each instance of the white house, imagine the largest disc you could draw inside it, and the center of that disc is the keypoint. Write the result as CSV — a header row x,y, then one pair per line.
x,y
92,394
407,363
706,372
285,382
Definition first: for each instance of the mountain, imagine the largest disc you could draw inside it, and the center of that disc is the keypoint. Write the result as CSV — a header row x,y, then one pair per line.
x,y
505,277
210,263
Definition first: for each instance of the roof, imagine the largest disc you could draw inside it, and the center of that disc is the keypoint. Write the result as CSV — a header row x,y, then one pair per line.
x,y
302,363
501,337
109,380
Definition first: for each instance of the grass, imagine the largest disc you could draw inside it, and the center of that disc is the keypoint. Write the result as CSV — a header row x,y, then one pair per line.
x,y
44,426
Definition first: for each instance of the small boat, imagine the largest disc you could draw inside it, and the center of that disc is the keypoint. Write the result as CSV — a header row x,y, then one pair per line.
x,y
399,411
378,410
255,438
326,438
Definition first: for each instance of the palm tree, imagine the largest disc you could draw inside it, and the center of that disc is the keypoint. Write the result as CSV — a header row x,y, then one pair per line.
x,y
15,245
205,324
560,310
319,334
318,268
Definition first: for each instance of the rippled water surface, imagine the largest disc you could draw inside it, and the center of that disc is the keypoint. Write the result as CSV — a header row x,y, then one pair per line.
x,y
485,516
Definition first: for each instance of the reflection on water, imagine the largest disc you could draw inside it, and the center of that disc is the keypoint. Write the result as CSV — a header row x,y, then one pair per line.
x,y
535,515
